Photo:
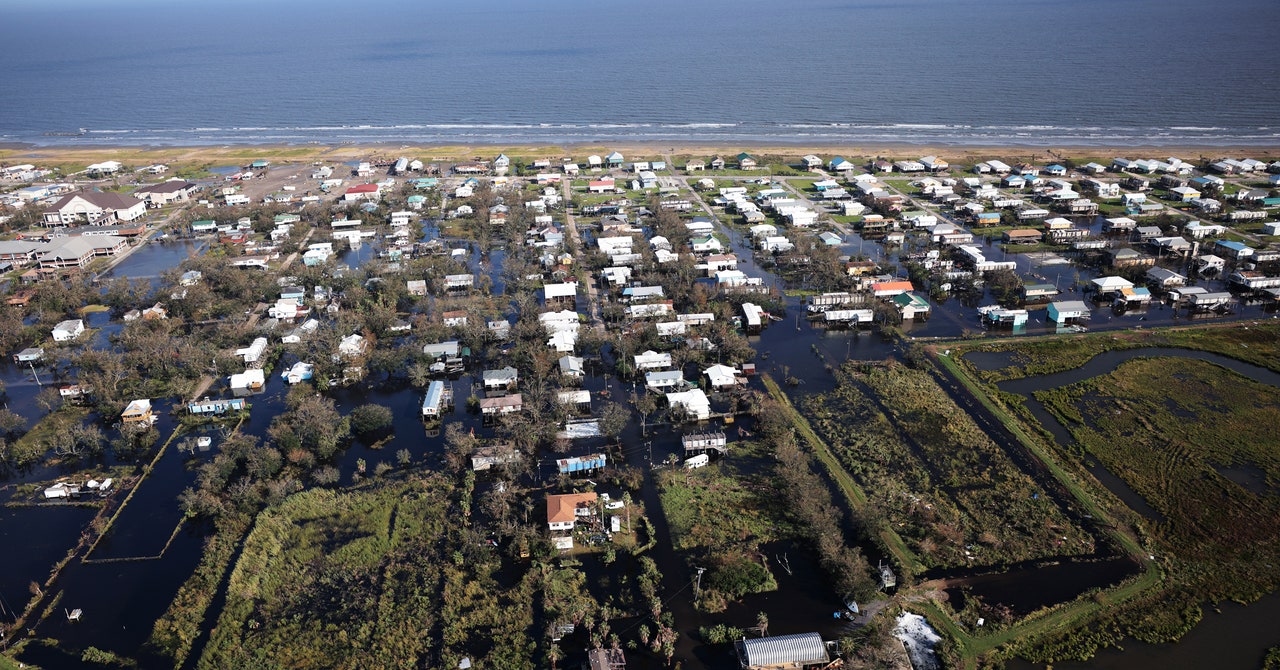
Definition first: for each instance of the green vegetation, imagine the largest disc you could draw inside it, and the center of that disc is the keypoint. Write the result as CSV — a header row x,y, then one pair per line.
x,y
956,497
812,506
1253,343
1198,443
1178,435
178,628
719,517
372,577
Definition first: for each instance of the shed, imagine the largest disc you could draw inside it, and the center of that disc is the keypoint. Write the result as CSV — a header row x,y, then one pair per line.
x,y
783,651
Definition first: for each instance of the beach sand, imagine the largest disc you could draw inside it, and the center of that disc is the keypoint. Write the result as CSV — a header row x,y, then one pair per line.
x,y
237,154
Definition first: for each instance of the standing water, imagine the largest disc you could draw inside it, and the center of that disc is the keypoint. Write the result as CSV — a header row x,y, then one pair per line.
x,y
920,639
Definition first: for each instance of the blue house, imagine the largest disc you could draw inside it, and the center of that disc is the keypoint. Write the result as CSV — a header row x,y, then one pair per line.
x,y
1056,171
582,463
206,407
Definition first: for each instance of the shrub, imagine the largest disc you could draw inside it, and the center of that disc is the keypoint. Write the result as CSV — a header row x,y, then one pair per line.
x,y
370,418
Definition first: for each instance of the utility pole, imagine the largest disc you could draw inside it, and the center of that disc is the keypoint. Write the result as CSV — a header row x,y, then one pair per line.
x,y
33,373
697,583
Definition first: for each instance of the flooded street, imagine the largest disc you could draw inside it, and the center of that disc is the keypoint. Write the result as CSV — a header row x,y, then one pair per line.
x,y
133,573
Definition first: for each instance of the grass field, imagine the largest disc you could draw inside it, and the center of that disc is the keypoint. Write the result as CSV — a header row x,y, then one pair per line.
x,y
373,578
1198,443
721,514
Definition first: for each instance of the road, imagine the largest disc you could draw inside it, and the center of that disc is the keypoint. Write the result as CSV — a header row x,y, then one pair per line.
x,y
571,227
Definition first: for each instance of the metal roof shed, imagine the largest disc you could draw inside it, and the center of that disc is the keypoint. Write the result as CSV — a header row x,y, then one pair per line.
x,y
783,651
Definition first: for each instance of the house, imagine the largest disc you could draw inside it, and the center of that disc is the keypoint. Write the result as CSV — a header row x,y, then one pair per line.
x,y
612,161
706,245
1069,310
104,168
1197,230
1185,193
1038,292
502,378
811,163
68,330
586,463
694,403
717,163
934,164
351,346
206,407
459,282
454,318
1125,257
138,411
652,360
911,305
29,355
361,192
607,659
1022,236
96,208
889,289
1163,278
249,380
723,376
1236,250
449,349
508,404
287,309
487,456
564,294
572,366
1119,224
166,192
76,252
563,510
746,161
664,380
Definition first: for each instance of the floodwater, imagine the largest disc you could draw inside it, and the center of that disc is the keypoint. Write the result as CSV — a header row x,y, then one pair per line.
x,y
1229,637
121,598
1105,363
153,258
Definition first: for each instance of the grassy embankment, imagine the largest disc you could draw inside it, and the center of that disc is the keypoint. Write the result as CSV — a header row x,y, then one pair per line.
x,y
1068,616
853,494
1251,343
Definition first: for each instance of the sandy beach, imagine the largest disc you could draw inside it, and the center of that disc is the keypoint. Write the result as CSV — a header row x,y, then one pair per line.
x,y
70,156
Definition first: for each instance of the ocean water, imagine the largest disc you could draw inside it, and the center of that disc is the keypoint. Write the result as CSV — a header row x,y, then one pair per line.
x,y
1037,72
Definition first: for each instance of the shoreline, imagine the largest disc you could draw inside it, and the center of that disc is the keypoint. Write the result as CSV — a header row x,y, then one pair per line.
x,y
16,152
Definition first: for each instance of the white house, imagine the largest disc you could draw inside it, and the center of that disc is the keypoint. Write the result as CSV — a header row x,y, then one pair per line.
x,y
652,360
351,346
68,330
694,403
721,376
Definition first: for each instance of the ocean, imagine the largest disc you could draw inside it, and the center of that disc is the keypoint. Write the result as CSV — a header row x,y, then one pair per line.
x,y
933,72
